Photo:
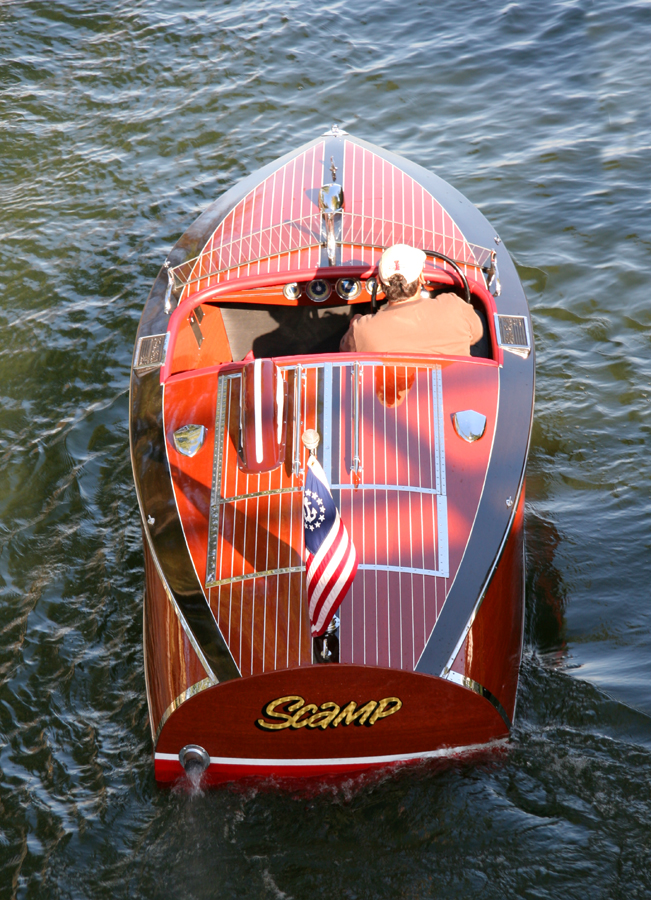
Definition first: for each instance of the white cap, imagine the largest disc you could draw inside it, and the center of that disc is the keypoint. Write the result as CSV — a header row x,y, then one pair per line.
x,y
401,259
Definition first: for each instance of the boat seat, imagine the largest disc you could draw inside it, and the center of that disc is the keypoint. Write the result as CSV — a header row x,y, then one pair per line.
x,y
270,331
284,330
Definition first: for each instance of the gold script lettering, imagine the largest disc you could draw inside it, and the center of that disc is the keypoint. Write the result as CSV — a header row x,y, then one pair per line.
x,y
270,710
350,713
383,709
295,713
328,711
303,711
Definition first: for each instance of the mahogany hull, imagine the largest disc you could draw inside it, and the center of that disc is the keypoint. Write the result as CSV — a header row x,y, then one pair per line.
x,y
430,633
435,716
438,716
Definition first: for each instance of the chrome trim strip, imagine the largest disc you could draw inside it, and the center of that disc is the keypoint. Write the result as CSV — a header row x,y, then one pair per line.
x,y
257,406
487,582
441,483
280,402
356,463
254,494
144,660
407,488
327,420
442,526
448,665
215,508
186,628
477,688
170,596
286,571
298,388
408,570
182,697
341,760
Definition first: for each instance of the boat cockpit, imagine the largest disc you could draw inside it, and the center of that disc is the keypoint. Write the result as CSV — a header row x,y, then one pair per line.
x,y
298,318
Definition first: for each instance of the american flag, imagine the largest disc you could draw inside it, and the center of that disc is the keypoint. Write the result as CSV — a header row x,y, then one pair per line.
x,y
331,556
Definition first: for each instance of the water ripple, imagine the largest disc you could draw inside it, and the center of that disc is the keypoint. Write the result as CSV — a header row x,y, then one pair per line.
x,y
119,124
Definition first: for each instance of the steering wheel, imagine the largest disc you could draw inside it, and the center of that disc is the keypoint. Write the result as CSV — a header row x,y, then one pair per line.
x,y
433,254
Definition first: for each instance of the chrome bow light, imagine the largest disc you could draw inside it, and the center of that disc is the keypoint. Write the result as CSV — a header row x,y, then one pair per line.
x,y
469,425
189,439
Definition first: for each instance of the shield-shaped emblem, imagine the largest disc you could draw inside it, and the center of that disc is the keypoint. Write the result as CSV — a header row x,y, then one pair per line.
x,y
469,425
189,439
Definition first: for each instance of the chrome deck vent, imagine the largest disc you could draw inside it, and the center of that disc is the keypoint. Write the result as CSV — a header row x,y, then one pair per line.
x,y
513,334
150,352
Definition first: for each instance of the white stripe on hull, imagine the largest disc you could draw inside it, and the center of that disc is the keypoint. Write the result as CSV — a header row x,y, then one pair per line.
x,y
336,761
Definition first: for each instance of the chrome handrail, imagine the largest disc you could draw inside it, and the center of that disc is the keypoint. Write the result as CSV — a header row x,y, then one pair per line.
x,y
480,254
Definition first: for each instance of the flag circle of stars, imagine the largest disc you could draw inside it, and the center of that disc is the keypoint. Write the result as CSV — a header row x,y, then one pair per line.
x,y
321,506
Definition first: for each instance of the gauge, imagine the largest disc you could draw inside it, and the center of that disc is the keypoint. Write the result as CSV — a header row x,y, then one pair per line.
x,y
373,284
318,290
349,288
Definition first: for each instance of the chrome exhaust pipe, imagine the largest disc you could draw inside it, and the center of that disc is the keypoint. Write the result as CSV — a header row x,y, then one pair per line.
x,y
194,759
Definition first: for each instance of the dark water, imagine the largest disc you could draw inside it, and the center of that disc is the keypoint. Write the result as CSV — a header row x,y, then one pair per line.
x,y
119,122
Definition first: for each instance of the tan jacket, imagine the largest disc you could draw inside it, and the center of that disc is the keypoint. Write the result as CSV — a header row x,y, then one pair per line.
x,y
445,325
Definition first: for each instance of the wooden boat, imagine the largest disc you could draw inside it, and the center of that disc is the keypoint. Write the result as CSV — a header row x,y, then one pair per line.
x,y
236,358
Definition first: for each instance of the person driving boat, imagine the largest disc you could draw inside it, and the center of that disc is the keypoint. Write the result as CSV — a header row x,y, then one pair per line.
x,y
412,321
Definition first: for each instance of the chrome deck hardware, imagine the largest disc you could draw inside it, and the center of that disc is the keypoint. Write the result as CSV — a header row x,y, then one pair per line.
x,y
356,462
298,402
170,285
469,425
189,439
311,440
151,351
492,275
513,334
331,201
326,646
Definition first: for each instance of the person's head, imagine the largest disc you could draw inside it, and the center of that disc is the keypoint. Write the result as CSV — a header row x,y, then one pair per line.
x,y
401,272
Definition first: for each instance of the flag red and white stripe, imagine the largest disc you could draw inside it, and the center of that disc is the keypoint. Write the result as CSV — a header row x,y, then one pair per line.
x,y
330,553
